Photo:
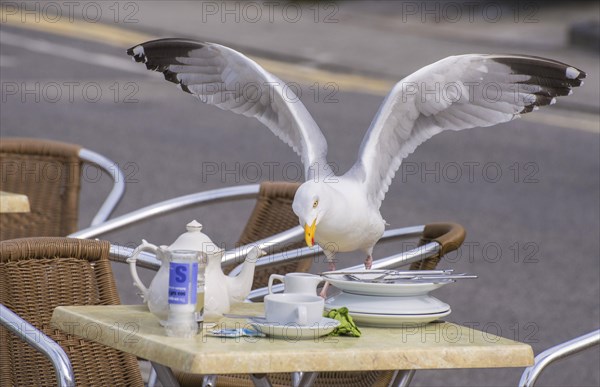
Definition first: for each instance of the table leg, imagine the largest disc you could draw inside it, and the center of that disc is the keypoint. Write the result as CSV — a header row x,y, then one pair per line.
x,y
165,375
304,379
402,378
260,380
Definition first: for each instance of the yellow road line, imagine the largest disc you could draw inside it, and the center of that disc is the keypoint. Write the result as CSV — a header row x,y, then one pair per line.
x,y
120,37
585,122
76,28
116,36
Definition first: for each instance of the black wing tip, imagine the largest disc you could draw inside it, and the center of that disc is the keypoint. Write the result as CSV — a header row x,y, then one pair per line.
x,y
541,99
555,78
166,43
527,109
137,52
184,88
170,76
541,67
154,52
158,54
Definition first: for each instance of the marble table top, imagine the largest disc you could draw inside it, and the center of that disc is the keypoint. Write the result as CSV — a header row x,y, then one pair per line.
x,y
12,202
133,329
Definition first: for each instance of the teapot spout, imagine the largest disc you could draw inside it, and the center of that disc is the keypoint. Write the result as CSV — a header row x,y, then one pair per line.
x,y
239,286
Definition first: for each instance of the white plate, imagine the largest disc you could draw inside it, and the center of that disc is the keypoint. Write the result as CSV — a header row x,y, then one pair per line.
x,y
357,303
384,289
294,331
395,320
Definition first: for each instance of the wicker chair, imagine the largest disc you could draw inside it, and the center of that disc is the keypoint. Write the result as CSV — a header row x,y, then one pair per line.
x,y
38,274
49,173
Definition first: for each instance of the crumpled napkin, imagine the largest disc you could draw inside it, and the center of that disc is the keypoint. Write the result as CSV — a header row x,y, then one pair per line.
x,y
347,326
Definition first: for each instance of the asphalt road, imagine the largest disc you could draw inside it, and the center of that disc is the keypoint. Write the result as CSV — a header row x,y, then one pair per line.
x,y
527,192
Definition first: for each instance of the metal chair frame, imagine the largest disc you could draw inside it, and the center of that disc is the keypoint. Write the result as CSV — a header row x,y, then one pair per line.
x,y
118,189
41,342
560,351
242,192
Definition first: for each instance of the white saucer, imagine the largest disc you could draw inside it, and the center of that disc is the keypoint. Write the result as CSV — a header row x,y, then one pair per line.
x,y
385,289
416,305
395,320
293,331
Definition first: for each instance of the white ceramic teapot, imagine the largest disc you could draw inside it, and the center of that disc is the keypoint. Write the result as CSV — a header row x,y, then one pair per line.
x,y
220,290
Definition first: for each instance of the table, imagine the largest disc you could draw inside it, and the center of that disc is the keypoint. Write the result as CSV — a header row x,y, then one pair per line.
x,y
12,202
441,345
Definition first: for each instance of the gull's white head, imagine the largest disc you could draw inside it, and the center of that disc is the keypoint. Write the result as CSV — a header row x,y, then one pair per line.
x,y
310,205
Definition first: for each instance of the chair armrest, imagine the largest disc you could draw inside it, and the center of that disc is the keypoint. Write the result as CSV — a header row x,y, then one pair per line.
x,y
560,351
213,196
149,261
41,342
450,236
118,188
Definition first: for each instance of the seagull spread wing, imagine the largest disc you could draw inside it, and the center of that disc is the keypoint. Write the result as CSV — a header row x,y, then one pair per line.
x,y
223,77
456,93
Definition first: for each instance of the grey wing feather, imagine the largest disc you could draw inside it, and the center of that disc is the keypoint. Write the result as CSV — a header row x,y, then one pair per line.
x,y
222,77
456,93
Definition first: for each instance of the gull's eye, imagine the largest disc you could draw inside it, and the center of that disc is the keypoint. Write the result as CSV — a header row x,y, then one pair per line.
x,y
315,203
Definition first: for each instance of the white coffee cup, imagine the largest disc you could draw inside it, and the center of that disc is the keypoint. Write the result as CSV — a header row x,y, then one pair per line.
x,y
293,308
304,283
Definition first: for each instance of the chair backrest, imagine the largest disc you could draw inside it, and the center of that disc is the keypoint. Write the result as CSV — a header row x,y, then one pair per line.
x,y
273,214
39,274
49,174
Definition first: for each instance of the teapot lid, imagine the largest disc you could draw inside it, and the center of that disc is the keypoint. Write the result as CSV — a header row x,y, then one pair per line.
x,y
194,239
194,225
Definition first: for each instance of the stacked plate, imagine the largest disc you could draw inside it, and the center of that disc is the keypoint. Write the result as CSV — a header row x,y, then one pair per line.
x,y
389,298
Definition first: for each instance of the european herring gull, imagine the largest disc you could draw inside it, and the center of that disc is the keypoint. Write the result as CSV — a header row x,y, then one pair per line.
x,y
341,213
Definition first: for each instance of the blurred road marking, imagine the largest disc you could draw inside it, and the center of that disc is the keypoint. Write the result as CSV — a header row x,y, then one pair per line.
x,y
62,51
120,37
585,122
75,28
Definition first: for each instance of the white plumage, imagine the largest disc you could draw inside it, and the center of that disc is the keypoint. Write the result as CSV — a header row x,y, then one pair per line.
x,y
341,213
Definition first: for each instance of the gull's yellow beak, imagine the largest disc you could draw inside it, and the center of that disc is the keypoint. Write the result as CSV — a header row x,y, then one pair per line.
x,y
309,233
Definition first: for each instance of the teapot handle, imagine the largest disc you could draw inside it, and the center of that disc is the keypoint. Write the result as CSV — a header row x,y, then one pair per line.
x,y
145,246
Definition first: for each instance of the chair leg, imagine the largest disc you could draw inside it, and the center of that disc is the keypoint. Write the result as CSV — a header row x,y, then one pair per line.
x,y
152,377
260,380
209,381
304,379
165,375
402,378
